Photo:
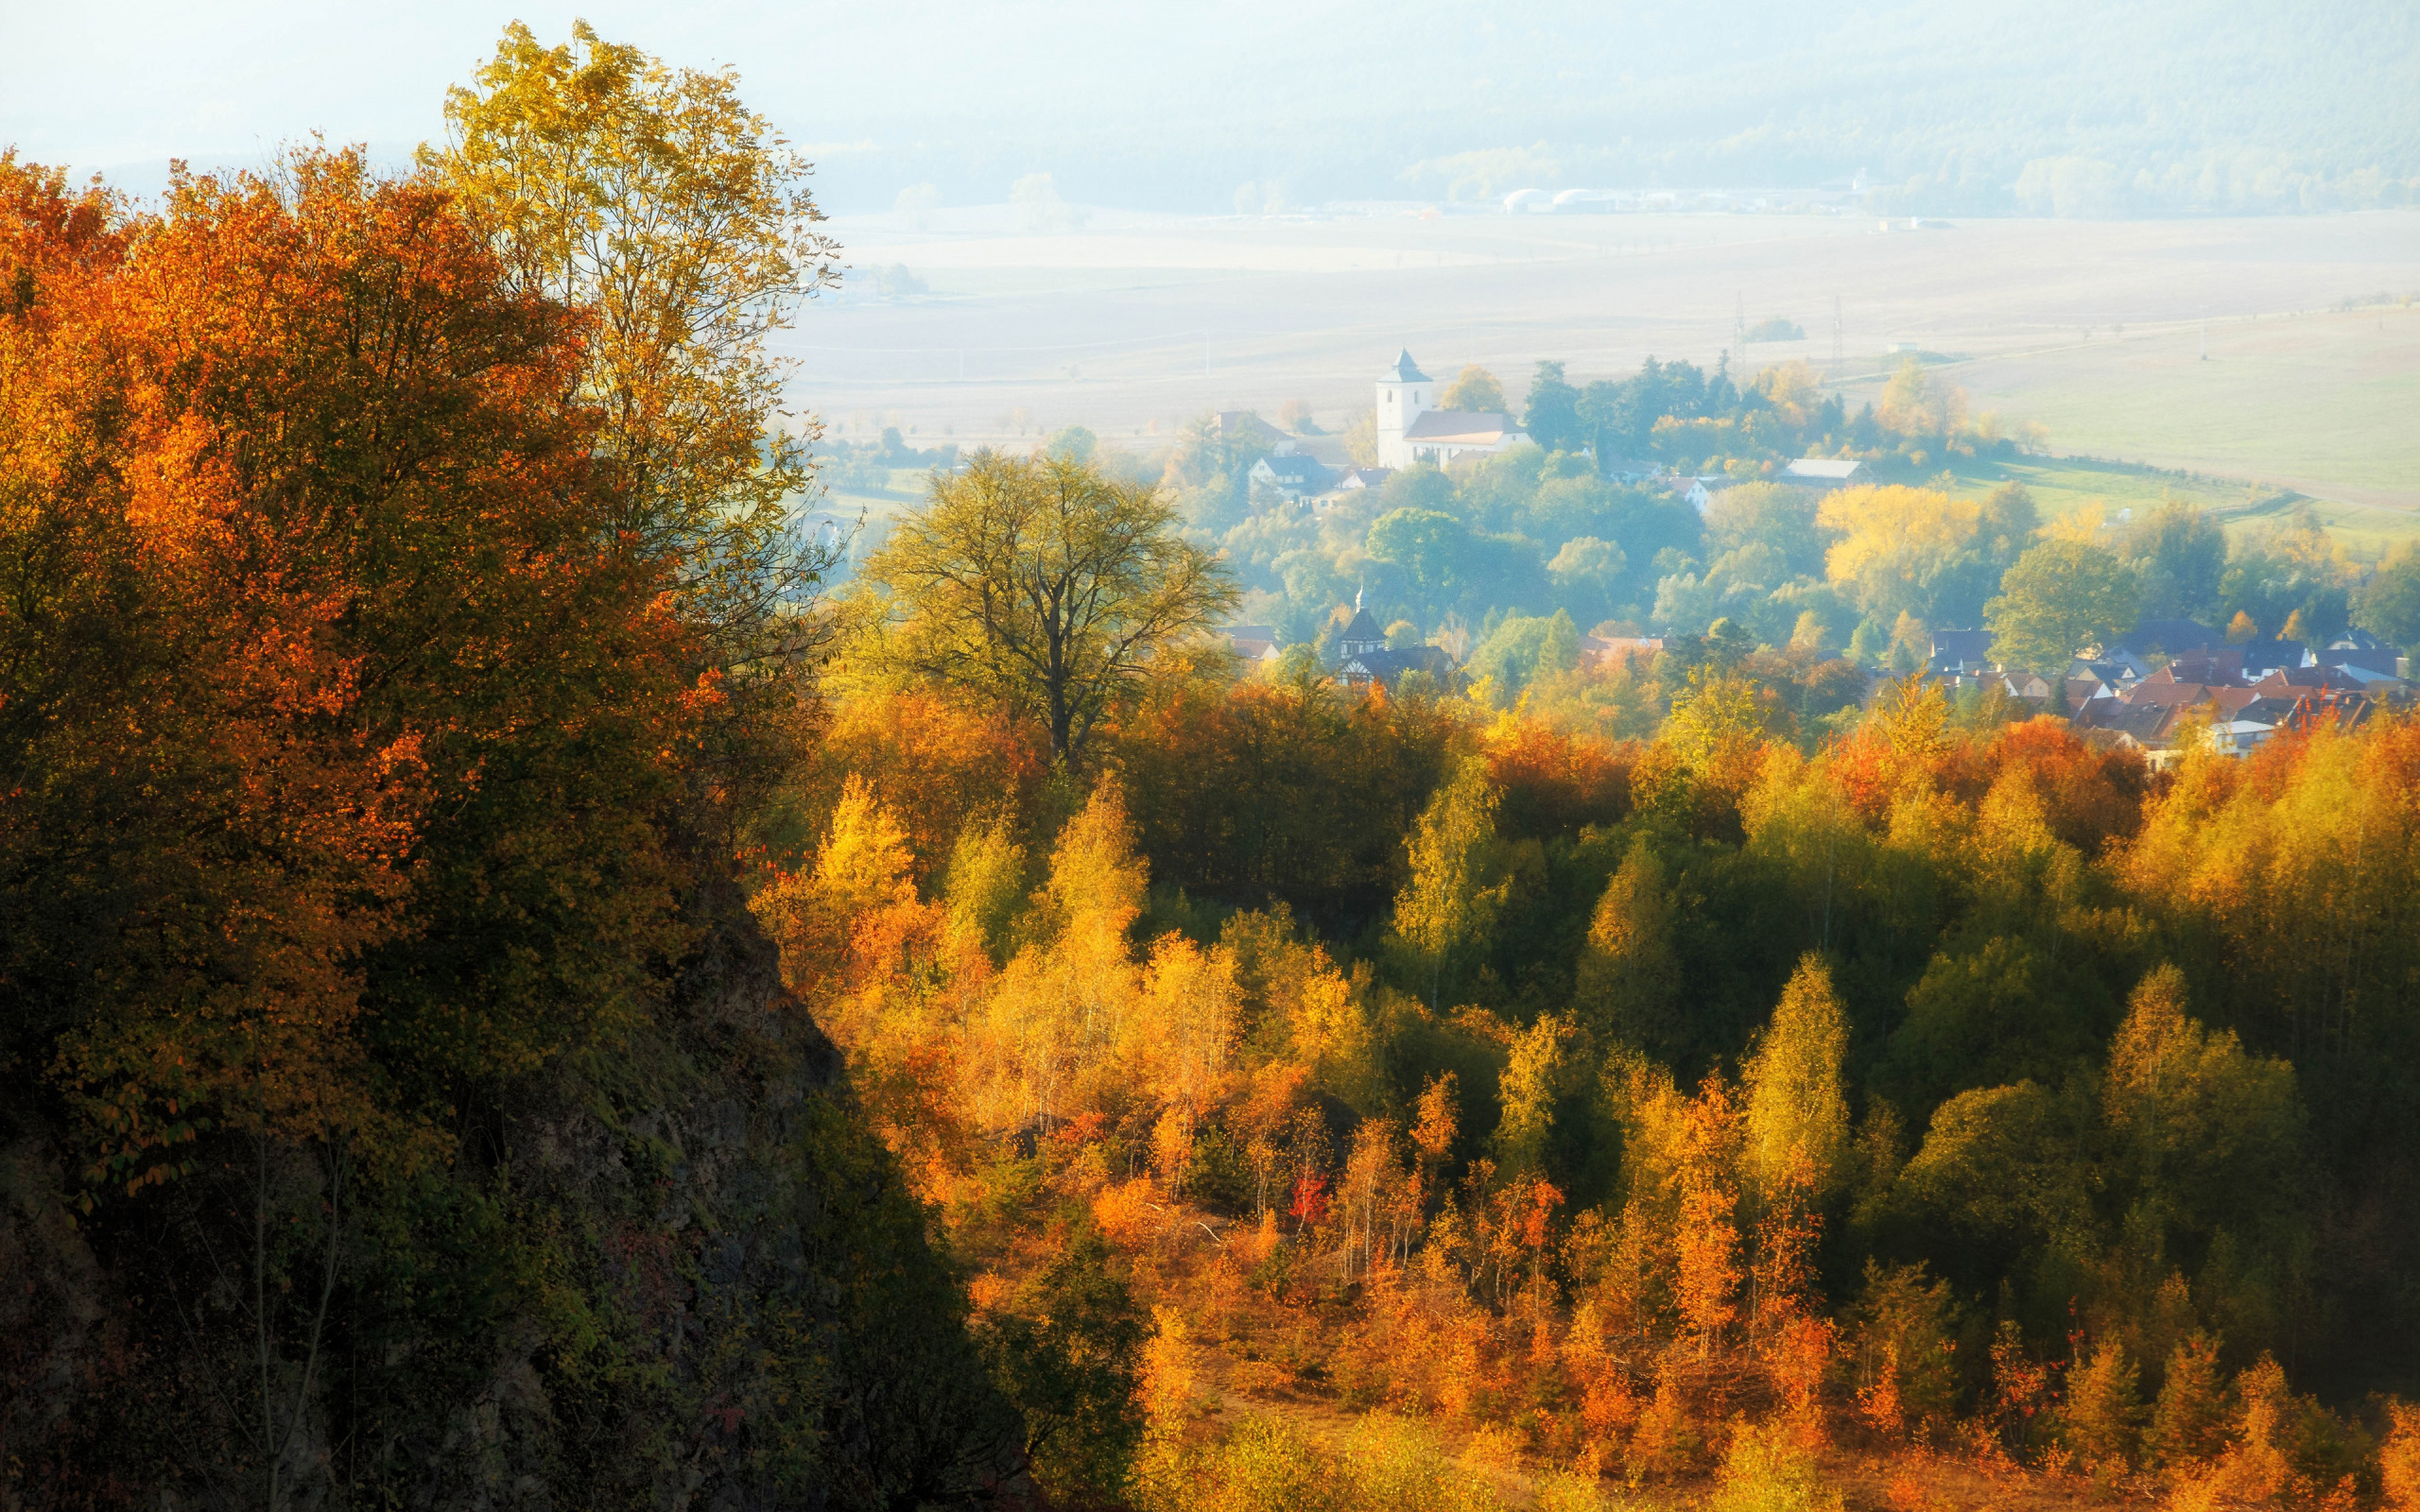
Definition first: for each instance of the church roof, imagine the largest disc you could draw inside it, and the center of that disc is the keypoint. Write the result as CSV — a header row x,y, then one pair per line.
x,y
1386,666
1406,370
1825,468
1459,425
1362,629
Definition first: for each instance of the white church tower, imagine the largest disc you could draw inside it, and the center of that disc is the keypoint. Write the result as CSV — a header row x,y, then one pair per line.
x,y
1402,394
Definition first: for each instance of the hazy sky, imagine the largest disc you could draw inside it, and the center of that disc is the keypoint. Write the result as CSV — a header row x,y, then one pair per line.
x,y
1156,103
111,82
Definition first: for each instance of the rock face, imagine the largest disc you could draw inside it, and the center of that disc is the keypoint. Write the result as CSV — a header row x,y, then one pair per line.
x,y
673,1272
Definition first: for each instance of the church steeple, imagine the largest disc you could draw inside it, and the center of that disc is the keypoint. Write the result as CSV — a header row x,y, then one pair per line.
x,y
1363,635
1403,393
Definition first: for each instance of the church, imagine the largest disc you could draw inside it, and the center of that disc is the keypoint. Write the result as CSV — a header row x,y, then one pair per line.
x,y
1363,657
1411,429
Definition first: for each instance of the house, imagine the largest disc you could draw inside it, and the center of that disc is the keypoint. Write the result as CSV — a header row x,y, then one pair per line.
x,y
1385,668
2237,738
2295,682
2359,648
1362,477
2113,676
1608,651
2149,729
2376,682
1252,642
2226,700
1292,477
1699,491
2166,732
1961,651
2129,666
1247,426
2212,664
1363,657
1825,473
2307,708
1441,435
2152,639
1411,429
2263,657
1361,634
1628,469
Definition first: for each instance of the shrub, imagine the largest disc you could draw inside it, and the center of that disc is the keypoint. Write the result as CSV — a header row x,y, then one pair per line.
x,y
1765,1472
1562,1491
1386,1463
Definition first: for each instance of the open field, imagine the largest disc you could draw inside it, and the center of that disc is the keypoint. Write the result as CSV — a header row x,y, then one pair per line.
x,y
1135,323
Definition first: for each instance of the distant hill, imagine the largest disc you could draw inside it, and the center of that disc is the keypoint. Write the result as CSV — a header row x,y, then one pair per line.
x,y
2052,106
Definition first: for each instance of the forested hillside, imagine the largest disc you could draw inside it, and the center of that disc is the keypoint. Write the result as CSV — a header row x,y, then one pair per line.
x,y
402,1108
1926,1086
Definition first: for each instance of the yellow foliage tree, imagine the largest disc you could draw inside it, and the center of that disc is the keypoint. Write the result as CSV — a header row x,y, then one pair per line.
x,y
1527,1092
1913,404
1475,389
655,200
1893,542
2399,1458
1629,977
1449,902
1797,1110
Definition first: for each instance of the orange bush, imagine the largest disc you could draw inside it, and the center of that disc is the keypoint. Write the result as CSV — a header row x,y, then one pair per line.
x,y
1131,1214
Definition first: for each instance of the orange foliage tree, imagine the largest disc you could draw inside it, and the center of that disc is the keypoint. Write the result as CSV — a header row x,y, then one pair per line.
x,y
291,463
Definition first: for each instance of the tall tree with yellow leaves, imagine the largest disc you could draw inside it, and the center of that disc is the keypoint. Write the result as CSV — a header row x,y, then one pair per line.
x,y
1797,1110
1629,976
1449,904
657,201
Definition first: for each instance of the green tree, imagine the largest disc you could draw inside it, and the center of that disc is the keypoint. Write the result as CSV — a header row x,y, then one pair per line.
x,y
2179,553
1553,415
1044,586
1768,514
1915,406
1526,648
2188,1423
1534,1073
1588,569
1073,443
1066,1352
653,198
1447,907
1361,437
2208,1137
2060,597
1433,550
2101,1418
2391,605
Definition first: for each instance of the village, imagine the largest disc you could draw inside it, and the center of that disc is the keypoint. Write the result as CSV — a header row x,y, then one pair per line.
x,y
2161,687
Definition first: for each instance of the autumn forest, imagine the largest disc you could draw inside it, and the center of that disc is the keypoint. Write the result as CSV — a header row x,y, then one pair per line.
x,y
529,979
